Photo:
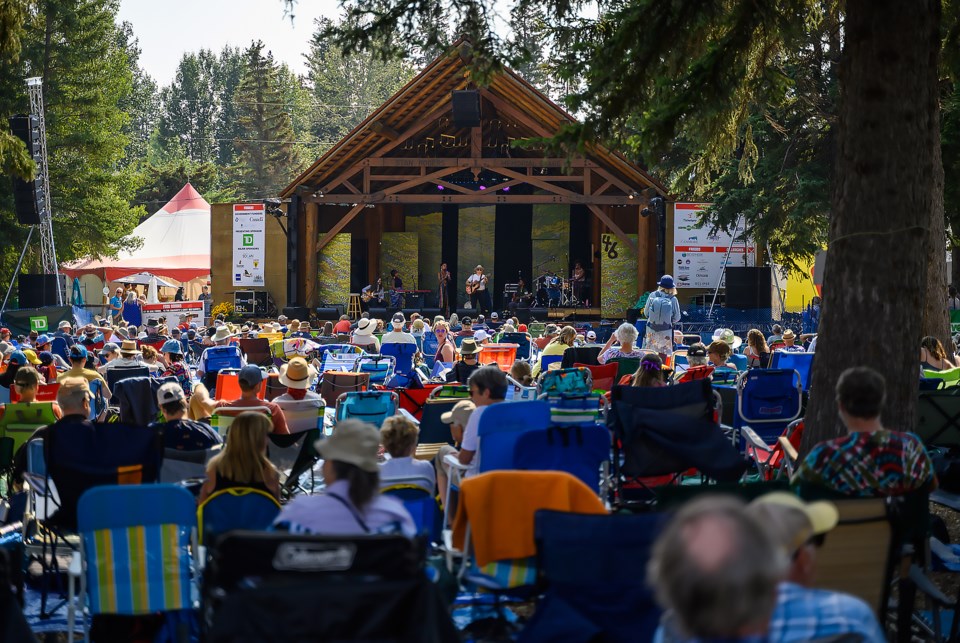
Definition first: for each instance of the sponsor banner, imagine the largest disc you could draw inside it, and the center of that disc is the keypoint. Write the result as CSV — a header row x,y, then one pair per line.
x,y
249,241
172,311
698,254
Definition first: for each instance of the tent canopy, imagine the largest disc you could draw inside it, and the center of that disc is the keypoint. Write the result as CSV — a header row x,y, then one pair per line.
x,y
176,244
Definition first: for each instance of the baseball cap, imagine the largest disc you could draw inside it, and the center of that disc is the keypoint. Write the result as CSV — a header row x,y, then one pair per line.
x,y
250,375
697,349
522,328
459,414
46,357
170,392
31,356
109,347
78,351
466,320
353,442
4,331
494,315
551,329
591,334
172,346
43,339
17,357
822,516
481,335
398,318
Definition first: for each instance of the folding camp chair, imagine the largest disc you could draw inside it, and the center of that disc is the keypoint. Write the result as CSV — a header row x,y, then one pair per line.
x,y
723,375
235,508
547,360
134,553
776,460
517,392
573,381
45,393
257,350
767,401
218,358
428,346
402,353
938,418
740,361
503,355
58,346
282,350
380,367
268,586
115,375
225,415
334,383
98,404
536,329
625,365
604,375
420,502
137,399
580,355
949,377
372,407
597,592
580,450
661,433
179,465
802,363
20,420
294,455
413,399
521,340
228,386
341,362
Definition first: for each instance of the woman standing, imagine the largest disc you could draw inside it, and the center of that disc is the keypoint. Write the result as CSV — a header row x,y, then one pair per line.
x,y
443,293
132,312
662,312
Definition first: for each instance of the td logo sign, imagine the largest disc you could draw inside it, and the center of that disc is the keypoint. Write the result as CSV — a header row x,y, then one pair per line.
x,y
38,324
247,240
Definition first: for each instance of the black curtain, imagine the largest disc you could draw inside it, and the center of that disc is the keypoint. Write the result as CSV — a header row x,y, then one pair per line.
x,y
580,239
514,248
450,245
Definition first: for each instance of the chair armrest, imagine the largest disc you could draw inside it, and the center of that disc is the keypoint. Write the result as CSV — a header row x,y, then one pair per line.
x,y
75,568
454,462
925,585
788,449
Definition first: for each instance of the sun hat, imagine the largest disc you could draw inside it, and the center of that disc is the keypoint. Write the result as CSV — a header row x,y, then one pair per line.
x,y
481,335
353,442
282,318
365,326
172,346
78,351
170,392
728,337
143,335
64,324
109,348
789,334
294,324
666,281
223,333
119,332
469,346
250,375
459,414
31,356
129,347
297,373
69,384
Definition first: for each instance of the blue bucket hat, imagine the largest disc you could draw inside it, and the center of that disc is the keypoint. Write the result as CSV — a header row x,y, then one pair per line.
x,y
666,281
172,346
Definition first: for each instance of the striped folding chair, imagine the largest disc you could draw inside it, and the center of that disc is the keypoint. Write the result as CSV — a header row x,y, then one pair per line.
x,y
134,552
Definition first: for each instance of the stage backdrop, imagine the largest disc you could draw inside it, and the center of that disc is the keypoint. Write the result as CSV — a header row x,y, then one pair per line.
x,y
429,230
398,250
551,238
333,271
618,276
476,245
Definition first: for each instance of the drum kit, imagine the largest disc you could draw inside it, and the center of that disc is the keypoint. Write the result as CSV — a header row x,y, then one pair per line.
x,y
553,291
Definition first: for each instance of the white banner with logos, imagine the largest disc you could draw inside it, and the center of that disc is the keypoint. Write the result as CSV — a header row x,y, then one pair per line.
x,y
698,255
172,310
249,241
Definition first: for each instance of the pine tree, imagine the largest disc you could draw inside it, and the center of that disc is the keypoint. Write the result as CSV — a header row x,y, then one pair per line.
x,y
231,64
267,157
142,104
191,107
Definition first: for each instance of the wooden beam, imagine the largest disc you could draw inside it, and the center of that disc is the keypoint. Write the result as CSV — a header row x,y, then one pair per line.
x,y
617,182
471,199
384,130
413,129
454,187
505,108
311,221
340,225
409,161
607,221
351,187
537,181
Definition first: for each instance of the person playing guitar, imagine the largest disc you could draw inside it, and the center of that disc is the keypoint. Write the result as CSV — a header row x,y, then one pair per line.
x,y
373,291
478,292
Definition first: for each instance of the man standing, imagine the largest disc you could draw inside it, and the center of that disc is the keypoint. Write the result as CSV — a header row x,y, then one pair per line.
x,y
65,330
477,289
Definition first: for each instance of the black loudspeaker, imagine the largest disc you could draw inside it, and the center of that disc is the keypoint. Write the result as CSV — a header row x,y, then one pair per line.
x,y
539,314
28,195
523,314
297,312
748,288
379,313
293,254
467,312
331,313
466,108
409,311
632,314
430,313
37,291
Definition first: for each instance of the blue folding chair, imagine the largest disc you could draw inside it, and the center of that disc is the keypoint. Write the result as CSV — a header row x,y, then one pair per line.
x,y
581,450
802,363
372,407
380,367
98,404
422,506
767,401
58,346
235,508
594,592
522,340
134,551
725,375
547,360
438,368
428,346
218,358
402,353
740,361
346,362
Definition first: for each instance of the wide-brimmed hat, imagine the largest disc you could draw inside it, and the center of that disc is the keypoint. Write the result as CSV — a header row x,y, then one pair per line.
x,y
353,442
129,347
119,332
366,326
223,333
789,334
172,346
109,348
297,373
666,281
728,337
470,347
459,414
64,324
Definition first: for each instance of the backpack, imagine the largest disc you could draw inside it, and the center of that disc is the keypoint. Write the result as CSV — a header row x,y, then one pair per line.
x,y
661,312
572,381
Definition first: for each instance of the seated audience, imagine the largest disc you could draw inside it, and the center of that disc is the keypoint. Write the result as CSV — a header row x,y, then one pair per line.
x,y
351,503
15,361
932,355
697,367
250,380
130,357
397,334
364,337
718,352
649,374
790,343
777,335
399,438
549,333
446,348
78,368
871,460
173,356
627,335
557,346
521,372
243,461
488,386
221,337
26,382
179,432
469,361
757,351
458,417
342,327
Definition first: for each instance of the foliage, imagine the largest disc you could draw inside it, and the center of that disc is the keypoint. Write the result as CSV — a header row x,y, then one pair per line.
x,y
14,159
191,107
224,308
142,104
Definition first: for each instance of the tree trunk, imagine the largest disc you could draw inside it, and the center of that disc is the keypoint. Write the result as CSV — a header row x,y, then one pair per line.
x,y
886,195
955,264
936,319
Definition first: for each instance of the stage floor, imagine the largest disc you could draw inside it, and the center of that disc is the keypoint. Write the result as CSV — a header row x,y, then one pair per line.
x,y
581,313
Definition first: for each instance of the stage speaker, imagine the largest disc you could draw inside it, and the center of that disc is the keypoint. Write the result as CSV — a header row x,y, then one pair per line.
x,y
539,314
28,195
522,314
430,313
327,313
409,311
37,291
633,314
466,108
748,287
379,313
297,312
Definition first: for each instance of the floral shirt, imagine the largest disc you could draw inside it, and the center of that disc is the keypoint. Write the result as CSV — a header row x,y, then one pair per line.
x,y
179,371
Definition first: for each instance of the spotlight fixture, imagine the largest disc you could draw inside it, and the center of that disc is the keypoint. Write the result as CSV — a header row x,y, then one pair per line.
x,y
440,187
633,195
318,194
506,189
272,207
483,187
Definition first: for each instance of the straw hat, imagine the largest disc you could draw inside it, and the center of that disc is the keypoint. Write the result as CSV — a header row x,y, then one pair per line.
x,y
223,333
789,334
129,347
297,373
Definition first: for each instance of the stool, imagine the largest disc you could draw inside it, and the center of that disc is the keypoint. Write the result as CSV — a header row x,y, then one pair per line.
x,y
353,308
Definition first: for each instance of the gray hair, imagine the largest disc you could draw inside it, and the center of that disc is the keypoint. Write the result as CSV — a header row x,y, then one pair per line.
x,y
788,526
717,568
627,333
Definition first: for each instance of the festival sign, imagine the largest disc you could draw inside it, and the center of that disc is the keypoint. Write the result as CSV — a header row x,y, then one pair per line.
x,y
172,311
249,242
699,254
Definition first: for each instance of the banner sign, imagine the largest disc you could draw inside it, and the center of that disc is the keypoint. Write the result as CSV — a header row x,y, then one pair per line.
x,y
698,255
172,311
249,241
21,322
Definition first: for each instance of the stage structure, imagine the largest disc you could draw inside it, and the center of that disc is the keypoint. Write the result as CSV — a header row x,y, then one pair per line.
x,y
448,170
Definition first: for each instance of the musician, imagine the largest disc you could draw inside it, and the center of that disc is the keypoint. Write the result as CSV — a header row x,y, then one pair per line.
x,y
578,277
372,292
396,298
443,295
477,289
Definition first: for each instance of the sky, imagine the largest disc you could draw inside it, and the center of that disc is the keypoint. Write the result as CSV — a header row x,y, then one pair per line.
x,y
168,29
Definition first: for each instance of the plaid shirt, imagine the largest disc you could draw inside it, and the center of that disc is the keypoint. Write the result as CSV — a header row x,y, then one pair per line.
x,y
877,463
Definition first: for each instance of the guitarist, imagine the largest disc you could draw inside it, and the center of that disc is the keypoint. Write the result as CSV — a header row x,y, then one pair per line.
x,y
478,292
371,292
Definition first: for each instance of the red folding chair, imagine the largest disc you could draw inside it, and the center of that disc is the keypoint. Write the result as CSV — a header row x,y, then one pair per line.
x,y
45,393
604,375
228,386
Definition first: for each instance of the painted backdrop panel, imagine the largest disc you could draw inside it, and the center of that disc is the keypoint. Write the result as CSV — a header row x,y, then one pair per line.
x,y
333,271
398,251
551,238
475,245
618,276
429,227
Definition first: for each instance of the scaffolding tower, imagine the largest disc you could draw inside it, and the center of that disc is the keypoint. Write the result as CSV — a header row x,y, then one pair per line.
x,y
48,249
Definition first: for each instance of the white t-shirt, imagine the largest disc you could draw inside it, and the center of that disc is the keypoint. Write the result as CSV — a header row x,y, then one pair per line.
x,y
475,278
471,438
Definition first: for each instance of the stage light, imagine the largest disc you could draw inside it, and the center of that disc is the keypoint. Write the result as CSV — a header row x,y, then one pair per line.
x,y
506,189
633,195
483,187
440,187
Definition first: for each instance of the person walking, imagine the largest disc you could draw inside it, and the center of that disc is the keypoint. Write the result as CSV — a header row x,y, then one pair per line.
x,y
662,312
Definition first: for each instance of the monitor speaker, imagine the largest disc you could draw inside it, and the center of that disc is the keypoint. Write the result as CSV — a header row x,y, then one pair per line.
x,y
327,313
407,312
523,314
297,312
466,312
37,291
379,313
430,313
748,287
466,108
539,314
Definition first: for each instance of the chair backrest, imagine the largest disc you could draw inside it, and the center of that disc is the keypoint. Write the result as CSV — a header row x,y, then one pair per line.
x,y
291,347
432,428
599,584
235,508
501,426
380,367
522,342
45,393
224,417
422,506
571,381
221,357
270,337
547,360
725,375
228,386
257,350
343,362
58,346
604,375
302,415
451,391
578,450
98,404
503,355
179,465
938,417
335,383
625,365
768,400
802,363
115,375
136,546
740,361
458,340
137,398
536,329
402,353
439,367
372,407
20,420
585,355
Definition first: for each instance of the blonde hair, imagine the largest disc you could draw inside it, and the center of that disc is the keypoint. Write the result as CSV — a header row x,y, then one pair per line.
x,y
398,435
244,456
670,291
567,333
418,325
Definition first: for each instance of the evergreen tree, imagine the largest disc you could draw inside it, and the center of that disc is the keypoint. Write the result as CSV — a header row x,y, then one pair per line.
x,y
14,159
142,104
191,107
231,64
267,156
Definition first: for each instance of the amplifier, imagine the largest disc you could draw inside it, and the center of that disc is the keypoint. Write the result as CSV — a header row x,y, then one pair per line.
x,y
250,303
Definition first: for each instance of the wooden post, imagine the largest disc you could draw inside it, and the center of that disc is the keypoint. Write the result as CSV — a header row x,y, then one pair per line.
x,y
311,231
